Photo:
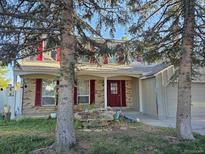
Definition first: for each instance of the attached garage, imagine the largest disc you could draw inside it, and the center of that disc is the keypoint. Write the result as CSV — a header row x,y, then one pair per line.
x,y
148,96
198,99
159,95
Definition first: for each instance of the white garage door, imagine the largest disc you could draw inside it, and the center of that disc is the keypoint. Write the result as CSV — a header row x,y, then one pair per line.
x,y
198,99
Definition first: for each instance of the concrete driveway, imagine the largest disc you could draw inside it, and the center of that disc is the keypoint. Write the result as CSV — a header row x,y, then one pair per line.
x,y
198,123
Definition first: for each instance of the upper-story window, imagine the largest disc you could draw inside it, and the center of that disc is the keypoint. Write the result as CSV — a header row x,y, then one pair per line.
x,y
50,56
138,58
112,59
120,58
83,59
53,54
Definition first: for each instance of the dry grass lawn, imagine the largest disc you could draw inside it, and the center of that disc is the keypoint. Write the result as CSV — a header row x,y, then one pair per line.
x,y
21,137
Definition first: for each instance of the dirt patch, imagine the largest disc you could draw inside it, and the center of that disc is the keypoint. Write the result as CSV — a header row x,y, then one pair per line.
x,y
171,139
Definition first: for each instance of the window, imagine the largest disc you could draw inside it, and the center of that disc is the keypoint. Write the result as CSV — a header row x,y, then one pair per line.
x,y
112,59
83,91
120,58
113,88
53,54
105,59
83,59
48,92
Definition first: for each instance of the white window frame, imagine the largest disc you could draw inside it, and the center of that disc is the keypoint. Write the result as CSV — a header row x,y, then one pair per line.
x,y
44,105
115,88
112,59
84,95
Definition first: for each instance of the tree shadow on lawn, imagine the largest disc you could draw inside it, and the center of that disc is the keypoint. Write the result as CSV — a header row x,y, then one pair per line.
x,y
118,138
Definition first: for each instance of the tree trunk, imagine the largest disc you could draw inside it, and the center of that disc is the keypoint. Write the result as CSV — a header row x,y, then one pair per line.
x,y
183,122
65,133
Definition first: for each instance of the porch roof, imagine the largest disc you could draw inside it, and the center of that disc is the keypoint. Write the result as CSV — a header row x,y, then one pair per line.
x,y
37,67
135,70
108,70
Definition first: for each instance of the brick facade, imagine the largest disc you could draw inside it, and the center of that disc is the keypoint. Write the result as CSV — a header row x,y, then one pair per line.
x,y
99,93
128,93
29,98
99,101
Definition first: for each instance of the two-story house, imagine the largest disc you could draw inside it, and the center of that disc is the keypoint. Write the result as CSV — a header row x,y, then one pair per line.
x,y
136,86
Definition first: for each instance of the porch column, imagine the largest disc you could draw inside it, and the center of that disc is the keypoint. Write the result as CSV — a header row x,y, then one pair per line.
x,y
105,92
12,99
140,95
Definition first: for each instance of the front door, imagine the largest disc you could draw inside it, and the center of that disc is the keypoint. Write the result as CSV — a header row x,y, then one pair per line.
x,y
116,93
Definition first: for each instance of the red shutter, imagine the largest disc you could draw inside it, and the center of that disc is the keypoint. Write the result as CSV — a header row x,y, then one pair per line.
x,y
40,53
92,91
58,58
75,95
38,92
123,93
39,56
57,91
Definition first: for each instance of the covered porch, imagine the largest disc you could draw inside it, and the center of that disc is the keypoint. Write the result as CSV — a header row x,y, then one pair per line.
x,y
115,86
116,91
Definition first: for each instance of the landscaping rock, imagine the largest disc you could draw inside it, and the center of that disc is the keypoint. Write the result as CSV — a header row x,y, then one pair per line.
x,y
119,115
123,128
95,118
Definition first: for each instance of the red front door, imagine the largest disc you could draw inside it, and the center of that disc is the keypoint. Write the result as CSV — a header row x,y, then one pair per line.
x,y
116,93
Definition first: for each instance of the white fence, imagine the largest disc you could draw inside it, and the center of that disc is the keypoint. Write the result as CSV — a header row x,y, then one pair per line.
x,y
3,99
15,102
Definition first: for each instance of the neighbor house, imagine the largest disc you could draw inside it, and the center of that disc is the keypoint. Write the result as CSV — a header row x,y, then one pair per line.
x,y
136,86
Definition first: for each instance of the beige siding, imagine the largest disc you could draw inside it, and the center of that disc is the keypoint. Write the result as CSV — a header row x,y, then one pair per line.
x,y
29,100
99,93
161,81
149,97
198,99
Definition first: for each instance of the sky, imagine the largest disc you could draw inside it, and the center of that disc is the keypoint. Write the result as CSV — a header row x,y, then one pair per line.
x,y
120,32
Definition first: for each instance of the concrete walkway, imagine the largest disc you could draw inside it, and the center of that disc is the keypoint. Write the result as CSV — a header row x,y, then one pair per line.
x,y
198,123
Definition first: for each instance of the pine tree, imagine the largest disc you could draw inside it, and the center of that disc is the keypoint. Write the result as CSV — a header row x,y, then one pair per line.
x,y
67,24
173,31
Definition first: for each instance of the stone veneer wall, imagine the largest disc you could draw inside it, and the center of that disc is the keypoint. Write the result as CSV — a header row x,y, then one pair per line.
x,y
28,106
99,93
128,93
29,98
